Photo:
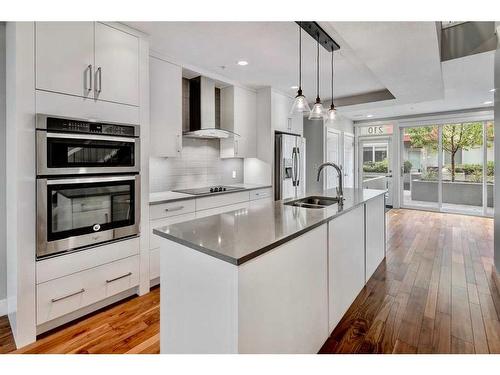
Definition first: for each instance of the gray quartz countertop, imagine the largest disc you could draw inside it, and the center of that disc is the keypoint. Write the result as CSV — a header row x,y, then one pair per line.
x,y
172,196
241,235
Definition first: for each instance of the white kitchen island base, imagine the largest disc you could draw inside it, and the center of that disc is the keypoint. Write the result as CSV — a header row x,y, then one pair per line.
x,y
225,288
274,303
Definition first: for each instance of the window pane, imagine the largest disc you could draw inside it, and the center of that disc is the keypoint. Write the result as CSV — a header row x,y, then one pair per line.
x,y
420,166
367,154
463,167
490,166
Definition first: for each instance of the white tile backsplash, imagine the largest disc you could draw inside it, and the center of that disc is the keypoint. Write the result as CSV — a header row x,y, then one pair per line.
x,y
199,165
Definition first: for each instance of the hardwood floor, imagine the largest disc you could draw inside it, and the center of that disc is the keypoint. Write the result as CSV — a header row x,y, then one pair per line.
x,y
436,292
130,327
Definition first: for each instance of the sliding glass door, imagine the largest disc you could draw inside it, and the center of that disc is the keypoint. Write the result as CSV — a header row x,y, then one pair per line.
x,y
420,170
448,167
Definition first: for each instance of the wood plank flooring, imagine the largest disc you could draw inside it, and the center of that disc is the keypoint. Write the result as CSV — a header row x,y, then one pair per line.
x,y
436,292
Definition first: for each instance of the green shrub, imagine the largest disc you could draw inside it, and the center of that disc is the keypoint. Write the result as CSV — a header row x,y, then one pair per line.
x,y
407,166
430,175
471,169
376,167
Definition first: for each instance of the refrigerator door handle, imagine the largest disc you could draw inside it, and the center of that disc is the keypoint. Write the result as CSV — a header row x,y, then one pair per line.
x,y
298,167
294,167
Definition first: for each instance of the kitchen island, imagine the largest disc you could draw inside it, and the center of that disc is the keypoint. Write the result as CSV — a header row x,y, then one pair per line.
x,y
270,278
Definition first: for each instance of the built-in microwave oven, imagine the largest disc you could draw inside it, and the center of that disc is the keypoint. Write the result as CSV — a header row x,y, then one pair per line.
x,y
68,146
73,213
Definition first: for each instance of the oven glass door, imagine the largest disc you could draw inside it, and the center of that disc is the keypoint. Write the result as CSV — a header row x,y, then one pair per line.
x,y
74,151
75,209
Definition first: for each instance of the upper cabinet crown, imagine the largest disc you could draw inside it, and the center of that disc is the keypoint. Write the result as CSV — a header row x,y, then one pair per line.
x,y
87,59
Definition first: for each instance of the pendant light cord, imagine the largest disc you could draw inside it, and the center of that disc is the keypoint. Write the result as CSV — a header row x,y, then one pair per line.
x,y
300,55
317,68
332,76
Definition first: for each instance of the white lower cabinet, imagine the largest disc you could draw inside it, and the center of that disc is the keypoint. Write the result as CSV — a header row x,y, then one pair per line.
x,y
154,242
375,234
64,295
283,304
261,194
206,203
346,262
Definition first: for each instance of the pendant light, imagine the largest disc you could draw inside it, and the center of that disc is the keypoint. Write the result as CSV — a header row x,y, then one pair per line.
x,y
332,112
300,104
317,112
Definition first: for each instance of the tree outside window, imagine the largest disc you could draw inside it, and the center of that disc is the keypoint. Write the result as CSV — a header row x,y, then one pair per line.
x,y
455,137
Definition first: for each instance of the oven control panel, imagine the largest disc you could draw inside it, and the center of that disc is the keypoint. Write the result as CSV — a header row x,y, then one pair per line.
x,y
78,126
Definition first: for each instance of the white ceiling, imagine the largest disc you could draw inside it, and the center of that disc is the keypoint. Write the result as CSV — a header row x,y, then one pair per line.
x,y
271,48
402,57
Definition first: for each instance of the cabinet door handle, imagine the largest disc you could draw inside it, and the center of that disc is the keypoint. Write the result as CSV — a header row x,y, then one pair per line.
x,y
68,295
119,277
98,85
176,208
89,78
236,147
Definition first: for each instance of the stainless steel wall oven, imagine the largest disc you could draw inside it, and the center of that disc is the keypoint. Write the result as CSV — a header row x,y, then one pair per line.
x,y
70,146
88,184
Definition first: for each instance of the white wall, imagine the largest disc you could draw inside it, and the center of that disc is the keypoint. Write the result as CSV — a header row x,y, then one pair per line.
x,y
343,124
3,243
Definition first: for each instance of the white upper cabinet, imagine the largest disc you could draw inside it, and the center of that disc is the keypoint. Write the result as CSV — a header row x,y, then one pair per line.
x,y
280,115
239,115
65,57
165,108
116,65
87,59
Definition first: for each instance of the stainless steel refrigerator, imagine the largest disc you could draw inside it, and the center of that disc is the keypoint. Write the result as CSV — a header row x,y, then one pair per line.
x,y
289,165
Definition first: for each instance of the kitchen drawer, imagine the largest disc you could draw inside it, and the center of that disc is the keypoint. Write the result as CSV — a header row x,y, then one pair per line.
x,y
260,193
221,200
162,210
61,296
220,210
53,268
154,263
154,241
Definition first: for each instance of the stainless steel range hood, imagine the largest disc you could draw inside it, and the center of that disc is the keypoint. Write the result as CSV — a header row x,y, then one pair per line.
x,y
202,108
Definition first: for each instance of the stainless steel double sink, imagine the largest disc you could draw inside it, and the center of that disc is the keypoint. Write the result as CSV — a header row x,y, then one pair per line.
x,y
313,201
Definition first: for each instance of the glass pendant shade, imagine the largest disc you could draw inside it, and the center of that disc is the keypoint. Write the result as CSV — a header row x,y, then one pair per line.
x,y
331,114
317,111
300,104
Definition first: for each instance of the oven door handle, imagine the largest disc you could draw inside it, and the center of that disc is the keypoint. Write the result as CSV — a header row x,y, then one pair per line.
x,y
64,181
91,137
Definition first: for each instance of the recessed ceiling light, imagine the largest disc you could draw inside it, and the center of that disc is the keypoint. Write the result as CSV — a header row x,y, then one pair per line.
x,y
369,116
493,90
488,102
242,62
294,87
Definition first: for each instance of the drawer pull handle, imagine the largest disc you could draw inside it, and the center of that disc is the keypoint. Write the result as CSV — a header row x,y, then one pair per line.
x,y
119,277
177,208
67,296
